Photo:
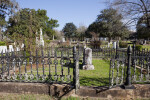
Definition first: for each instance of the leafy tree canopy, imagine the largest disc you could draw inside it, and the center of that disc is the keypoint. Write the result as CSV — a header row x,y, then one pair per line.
x,y
69,30
7,7
27,22
142,30
108,24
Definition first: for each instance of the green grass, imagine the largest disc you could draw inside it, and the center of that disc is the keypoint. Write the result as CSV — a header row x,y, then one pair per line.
x,y
97,77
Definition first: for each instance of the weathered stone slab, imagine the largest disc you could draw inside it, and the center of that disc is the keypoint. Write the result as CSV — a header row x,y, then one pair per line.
x,y
88,59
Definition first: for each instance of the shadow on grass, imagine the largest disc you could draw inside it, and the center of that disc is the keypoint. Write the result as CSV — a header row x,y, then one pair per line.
x,y
92,81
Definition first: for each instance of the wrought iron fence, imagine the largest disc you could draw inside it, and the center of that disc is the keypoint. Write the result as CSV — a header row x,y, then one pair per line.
x,y
108,53
117,72
141,66
52,65
134,68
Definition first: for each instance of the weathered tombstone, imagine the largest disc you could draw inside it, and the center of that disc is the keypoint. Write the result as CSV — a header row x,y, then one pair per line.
x,y
88,59
3,49
114,45
17,49
22,46
11,48
63,39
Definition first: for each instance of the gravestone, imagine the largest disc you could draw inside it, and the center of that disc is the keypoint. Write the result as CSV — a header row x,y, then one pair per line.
x,y
114,45
88,59
22,46
3,49
63,39
11,48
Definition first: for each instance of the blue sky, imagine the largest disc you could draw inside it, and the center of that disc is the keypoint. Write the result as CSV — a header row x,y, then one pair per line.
x,y
80,12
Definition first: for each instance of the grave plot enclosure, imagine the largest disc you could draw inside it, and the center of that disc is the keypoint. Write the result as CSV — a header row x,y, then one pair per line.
x,y
52,65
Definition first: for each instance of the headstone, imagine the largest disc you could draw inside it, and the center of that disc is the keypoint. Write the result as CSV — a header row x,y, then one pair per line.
x,y
88,60
63,39
11,48
3,49
22,46
114,45
17,49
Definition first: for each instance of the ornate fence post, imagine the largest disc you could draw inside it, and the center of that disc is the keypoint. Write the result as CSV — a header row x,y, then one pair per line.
x,y
128,84
76,70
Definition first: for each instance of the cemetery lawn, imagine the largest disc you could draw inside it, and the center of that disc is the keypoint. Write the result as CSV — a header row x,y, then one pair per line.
x,y
97,77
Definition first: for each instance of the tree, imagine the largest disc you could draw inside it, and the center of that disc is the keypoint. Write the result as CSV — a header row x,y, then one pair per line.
x,y
141,27
24,22
69,30
81,31
133,10
109,24
96,28
51,24
27,22
7,7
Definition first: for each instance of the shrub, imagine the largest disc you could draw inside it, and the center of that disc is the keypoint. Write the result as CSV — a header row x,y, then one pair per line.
x,y
2,43
95,44
138,47
123,44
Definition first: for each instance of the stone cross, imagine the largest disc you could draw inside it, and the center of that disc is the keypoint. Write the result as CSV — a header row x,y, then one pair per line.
x,y
88,59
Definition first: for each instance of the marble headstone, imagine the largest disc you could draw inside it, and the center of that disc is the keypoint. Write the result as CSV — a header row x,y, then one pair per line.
x,y
63,39
88,60
114,45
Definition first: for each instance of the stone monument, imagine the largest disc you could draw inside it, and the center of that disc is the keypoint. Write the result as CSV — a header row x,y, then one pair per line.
x,y
114,45
88,59
41,37
63,39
